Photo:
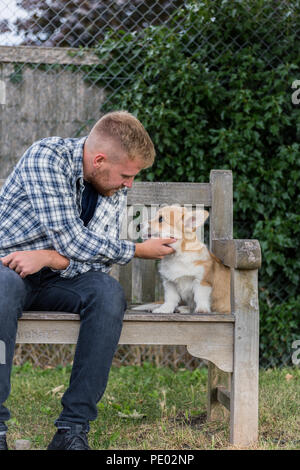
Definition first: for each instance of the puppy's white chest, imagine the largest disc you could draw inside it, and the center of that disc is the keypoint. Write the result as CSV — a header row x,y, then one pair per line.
x,y
174,268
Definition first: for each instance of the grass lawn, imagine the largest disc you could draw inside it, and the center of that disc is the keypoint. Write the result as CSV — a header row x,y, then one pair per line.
x,y
152,408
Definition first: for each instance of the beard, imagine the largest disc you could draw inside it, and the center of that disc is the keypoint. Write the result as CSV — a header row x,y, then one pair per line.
x,y
100,180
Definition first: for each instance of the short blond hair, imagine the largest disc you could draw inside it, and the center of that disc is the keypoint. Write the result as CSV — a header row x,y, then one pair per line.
x,y
129,133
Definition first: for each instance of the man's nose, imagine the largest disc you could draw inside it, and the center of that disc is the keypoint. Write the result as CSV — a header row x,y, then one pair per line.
x,y
128,183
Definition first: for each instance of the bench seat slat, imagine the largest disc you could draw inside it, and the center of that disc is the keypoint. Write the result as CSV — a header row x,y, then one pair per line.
x,y
194,317
132,315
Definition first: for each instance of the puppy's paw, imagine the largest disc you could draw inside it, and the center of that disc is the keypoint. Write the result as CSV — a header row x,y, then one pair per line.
x,y
145,307
202,309
183,309
164,308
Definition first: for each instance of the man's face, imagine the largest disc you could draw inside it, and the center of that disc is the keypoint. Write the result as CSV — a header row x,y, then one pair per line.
x,y
107,177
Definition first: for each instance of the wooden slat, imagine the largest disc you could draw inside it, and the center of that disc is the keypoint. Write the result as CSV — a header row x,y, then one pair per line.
x,y
221,214
147,193
217,378
133,315
144,275
51,316
48,55
223,397
220,226
207,340
125,279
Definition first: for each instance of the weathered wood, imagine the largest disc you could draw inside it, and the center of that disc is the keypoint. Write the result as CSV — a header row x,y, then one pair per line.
x,y
50,316
2,89
217,353
221,213
209,340
147,193
47,331
220,227
216,378
194,317
125,279
223,397
48,55
238,254
244,388
147,272
133,315
115,272
43,103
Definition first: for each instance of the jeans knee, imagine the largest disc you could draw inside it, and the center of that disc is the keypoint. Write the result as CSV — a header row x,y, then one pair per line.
x,y
113,295
117,289
11,284
108,294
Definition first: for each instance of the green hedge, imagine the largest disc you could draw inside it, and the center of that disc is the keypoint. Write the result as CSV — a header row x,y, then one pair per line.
x,y
213,88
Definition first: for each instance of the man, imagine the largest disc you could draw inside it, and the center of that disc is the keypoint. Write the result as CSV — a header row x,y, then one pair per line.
x,y
60,215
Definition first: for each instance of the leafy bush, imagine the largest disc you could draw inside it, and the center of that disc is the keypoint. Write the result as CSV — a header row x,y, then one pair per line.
x,y
214,91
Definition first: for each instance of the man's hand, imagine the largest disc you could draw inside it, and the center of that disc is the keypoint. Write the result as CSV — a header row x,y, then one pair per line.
x,y
154,248
30,262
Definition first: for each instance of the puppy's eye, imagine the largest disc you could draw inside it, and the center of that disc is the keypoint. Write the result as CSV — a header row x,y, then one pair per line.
x,y
160,219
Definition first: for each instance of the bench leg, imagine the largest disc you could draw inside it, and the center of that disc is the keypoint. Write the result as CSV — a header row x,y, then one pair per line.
x,y
244,386
244,408
216,379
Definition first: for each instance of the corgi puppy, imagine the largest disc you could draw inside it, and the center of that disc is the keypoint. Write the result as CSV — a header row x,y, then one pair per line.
x,y
191,276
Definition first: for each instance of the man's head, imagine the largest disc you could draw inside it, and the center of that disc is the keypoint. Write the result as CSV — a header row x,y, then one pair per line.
x,y
116,150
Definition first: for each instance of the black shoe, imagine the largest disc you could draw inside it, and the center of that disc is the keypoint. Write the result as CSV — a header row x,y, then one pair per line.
x,y
3,443
70,439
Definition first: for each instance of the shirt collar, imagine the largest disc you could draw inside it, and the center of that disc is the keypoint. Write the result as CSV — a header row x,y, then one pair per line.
x,y
115,197
78,157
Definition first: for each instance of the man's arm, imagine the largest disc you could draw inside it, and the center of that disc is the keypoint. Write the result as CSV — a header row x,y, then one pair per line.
x,y
30,262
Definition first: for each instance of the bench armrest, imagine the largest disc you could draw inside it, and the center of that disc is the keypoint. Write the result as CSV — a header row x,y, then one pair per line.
x,y
238,254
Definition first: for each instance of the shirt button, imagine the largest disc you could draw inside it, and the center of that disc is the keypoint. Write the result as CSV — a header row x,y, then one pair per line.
x,y
105,228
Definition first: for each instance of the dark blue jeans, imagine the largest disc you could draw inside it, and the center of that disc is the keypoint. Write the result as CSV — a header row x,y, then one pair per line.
x,y
99,300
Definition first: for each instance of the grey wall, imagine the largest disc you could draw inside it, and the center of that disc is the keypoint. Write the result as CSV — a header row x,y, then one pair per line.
x,y
43,103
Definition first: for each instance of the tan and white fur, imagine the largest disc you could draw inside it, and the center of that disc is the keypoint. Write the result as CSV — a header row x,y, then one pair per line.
x,y
192,275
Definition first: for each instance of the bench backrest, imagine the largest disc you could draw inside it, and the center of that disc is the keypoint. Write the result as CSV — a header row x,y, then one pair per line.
x,y
140,278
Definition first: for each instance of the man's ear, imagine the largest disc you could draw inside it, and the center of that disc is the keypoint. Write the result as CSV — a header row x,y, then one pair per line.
x,y
194,219
99,159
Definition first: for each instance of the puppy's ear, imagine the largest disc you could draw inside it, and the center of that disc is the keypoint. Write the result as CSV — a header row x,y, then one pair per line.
x,y
194,219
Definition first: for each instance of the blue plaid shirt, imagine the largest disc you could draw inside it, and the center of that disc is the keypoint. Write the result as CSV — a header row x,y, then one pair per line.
x,y
40,207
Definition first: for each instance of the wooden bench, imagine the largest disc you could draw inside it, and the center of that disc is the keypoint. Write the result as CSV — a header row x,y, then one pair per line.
x,y
230,343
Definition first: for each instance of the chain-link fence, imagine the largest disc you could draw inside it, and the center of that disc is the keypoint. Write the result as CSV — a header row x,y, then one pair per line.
x,y
75,23
57,92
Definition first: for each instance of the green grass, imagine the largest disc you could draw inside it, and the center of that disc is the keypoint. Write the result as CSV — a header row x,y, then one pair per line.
x,y
152,408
